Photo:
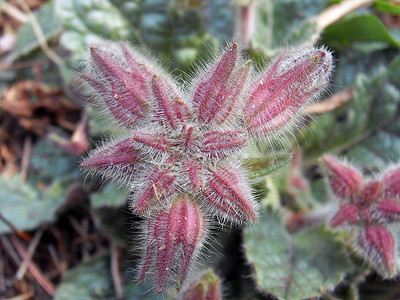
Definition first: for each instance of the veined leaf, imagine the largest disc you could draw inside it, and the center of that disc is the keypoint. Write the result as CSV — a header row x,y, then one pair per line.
x,y
372,109
29,204
294,266
92,280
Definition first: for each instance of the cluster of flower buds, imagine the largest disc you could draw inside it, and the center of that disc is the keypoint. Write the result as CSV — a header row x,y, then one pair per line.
x,y
181,156
370,207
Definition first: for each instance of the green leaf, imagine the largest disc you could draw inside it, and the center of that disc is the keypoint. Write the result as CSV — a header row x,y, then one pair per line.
x,y
359,28
265,165
27,205
280,22
112,195
370,113
379,149
89,21
387,7
26,37
92,280
177,37
51,163
294,266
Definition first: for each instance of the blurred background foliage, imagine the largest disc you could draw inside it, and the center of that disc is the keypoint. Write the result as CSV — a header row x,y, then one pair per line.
x,y
65,235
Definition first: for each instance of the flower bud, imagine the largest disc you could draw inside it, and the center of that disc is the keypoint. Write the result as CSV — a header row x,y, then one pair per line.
x,y
392,182
226,191
284,89
378,245
174,239
344,181
347,214
123,90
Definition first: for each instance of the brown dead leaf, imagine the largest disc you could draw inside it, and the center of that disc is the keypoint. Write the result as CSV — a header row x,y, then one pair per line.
x,y
37,106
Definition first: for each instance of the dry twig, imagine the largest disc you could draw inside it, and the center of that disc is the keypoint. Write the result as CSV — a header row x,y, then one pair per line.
x,y
116,275
14,12
39,35
31,249
33,268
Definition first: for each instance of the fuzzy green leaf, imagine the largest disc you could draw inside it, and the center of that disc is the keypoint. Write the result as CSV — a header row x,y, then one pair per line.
x,y
158,25
379,149
294,266
26,206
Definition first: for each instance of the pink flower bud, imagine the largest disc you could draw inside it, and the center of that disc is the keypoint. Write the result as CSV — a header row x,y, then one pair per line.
x,y
343,180
388,210
223,143
112,157
226,189
347,214
157,187
392,182
174,239
369,206
372,191
124,91
378,246
152,142
212,93
182,144
194,172
284,89
171,109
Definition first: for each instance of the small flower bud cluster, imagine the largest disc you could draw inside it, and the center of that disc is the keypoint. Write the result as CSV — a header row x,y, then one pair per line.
x,y
181,156
371,206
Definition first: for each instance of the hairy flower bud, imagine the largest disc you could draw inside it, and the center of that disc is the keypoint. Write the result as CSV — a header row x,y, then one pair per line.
x,y
378,244
343,180
226,190
284,89
174,239
347,214
124,90
392,182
